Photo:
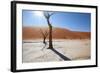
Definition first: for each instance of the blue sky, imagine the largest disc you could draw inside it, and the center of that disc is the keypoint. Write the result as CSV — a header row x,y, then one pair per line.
x,y
74,21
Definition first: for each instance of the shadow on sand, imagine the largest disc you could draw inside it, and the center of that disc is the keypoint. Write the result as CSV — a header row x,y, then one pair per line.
x,y
60,55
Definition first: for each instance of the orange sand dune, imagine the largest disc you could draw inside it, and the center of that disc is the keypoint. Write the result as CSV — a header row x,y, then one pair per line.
x,y
58,33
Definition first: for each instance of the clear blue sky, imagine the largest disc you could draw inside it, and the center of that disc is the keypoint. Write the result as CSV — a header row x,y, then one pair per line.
x,y
74,21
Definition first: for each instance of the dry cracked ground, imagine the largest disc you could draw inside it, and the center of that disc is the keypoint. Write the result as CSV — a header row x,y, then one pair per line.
x,y
36,51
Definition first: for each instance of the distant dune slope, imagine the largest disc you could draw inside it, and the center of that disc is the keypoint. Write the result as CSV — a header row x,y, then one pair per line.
x,y
58,33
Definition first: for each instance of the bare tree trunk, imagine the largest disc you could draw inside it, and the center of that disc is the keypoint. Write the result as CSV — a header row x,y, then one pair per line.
x,y
44,40
50,36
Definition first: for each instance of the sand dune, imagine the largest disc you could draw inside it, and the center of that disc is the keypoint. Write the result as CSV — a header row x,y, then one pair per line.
x,y
58,33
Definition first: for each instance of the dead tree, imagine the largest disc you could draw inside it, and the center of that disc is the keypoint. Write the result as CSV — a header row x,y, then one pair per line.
x,y
44,34
47,15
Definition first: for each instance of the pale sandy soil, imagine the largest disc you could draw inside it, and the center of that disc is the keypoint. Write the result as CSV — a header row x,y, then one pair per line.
x,y
34,50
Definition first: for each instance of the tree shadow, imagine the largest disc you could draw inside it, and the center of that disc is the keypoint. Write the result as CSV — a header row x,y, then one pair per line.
x,y
60,55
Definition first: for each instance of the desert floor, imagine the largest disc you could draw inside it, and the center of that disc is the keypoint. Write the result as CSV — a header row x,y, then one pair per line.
x,y
36,51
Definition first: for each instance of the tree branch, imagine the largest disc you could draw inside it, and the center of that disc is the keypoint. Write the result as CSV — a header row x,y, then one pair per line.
x,y
45,34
